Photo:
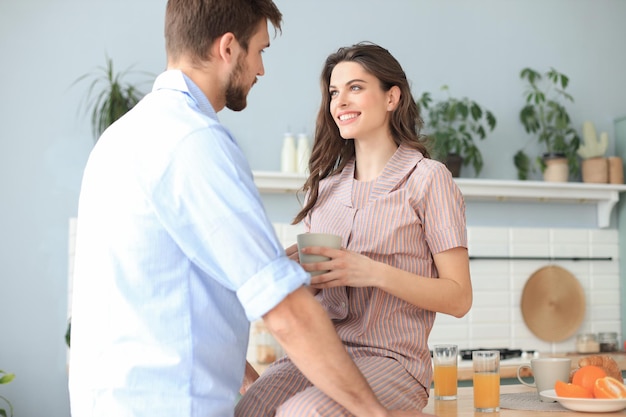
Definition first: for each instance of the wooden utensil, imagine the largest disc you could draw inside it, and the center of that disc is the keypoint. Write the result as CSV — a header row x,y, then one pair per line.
x,y
553,303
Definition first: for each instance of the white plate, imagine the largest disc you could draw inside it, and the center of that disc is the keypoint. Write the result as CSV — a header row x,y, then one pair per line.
x,y
593,405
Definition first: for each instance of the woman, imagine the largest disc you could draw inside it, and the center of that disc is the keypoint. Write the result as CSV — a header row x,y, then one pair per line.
x,y
402,221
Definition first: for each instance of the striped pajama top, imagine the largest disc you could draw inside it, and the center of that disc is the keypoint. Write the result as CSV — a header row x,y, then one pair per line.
x,y
412,210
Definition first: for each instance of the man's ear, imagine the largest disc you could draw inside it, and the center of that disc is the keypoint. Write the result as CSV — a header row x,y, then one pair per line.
x,y
227,46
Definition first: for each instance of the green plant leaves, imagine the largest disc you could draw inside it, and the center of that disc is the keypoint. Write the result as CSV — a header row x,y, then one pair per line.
x,y
68,333
529,119
530,75
5,378
522,163
545,116
558,78
477,112
491,120
109,96
455,125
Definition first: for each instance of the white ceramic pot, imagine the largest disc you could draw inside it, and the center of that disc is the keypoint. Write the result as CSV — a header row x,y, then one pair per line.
x,y
557,169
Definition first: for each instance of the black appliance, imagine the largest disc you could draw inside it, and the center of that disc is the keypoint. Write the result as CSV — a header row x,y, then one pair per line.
x,y
505,353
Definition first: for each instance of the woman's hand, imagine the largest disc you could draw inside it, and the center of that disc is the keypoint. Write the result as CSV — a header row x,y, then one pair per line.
x,y
346,268
292,252
450,293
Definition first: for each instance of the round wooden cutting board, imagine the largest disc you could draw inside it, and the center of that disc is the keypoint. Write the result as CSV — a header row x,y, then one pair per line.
x,y
553,304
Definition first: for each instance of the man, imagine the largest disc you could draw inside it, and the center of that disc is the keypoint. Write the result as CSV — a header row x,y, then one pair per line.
x,y
174,252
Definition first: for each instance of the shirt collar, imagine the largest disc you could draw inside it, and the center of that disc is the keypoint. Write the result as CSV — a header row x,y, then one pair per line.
x,y
177,80
397,168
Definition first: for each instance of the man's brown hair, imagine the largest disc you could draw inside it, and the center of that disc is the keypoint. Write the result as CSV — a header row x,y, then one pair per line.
x,y
191,26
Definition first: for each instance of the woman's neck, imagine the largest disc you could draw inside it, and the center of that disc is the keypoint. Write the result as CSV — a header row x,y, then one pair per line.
x,y
371,158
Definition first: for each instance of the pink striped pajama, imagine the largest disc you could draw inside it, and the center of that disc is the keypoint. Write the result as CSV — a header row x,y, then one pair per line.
x,y
414,209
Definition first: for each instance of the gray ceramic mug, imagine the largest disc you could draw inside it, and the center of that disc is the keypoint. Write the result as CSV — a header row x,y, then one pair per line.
x,y
546,371
317,239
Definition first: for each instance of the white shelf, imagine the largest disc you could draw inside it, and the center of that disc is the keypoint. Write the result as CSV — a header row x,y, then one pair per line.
x,y
278,182
604,196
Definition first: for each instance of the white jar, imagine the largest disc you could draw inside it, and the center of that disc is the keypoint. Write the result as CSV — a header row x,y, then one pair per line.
x,y
587,343
288,154
303,154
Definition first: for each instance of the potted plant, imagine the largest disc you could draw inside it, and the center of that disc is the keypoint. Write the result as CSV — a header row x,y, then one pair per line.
x,y
545,116
109,95
455,125
5,378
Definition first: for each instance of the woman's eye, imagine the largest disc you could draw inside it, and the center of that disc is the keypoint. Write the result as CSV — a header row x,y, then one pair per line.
x,y
333,93
355,87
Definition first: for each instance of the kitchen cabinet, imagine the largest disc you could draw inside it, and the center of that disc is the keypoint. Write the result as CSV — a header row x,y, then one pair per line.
x,y
603,196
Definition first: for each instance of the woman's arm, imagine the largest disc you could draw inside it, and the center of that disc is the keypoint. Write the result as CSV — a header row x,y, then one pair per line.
x,y
451,293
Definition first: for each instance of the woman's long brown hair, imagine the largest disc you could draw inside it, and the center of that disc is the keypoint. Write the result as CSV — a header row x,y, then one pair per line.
x,y
331,152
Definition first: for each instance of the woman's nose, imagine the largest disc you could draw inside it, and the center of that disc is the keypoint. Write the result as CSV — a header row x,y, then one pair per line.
x,y
341,99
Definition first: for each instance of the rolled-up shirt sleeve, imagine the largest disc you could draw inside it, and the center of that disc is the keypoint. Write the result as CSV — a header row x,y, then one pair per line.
x,y
215,214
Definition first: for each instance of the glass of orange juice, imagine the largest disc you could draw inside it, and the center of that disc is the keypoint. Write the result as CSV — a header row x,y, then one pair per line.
x,y
486,364
445,370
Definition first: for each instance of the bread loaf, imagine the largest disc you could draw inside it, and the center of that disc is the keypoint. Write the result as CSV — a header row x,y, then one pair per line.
x,y
603,361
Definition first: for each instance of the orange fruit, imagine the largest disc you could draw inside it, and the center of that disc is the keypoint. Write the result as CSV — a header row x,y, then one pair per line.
x,y
609,387
586,376
564,389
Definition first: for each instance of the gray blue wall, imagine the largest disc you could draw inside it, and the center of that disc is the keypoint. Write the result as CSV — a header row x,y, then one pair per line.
x,y
477,47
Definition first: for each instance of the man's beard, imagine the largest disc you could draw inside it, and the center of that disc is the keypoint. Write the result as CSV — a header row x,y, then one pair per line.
x,y
236,95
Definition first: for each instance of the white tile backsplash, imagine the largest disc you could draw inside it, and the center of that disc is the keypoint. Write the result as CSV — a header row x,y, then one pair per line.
x,y
604,236
528,235
599,280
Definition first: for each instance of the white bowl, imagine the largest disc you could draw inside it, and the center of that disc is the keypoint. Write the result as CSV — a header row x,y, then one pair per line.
x,y
593,405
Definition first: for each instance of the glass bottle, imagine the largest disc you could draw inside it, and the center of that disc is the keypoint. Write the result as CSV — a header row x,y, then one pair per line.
x,y
288,154
587,343
303,153
608,341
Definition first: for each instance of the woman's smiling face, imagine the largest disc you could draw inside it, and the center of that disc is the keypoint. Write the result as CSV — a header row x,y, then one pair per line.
x,y
358,104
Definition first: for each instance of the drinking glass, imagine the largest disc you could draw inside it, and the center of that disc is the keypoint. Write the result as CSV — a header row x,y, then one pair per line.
x,y
445,371
486,364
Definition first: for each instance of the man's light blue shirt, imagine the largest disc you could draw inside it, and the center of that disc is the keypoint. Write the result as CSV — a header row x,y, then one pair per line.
x,y
174,256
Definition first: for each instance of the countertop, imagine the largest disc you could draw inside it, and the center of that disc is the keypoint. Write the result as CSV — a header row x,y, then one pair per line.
x,y
464,406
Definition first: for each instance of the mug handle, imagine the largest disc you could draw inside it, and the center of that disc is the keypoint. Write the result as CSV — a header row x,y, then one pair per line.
x,y
519,377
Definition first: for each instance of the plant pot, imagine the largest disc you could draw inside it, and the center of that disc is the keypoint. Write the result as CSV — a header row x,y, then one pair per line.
x,y
454,162
595,170
557,169
616,170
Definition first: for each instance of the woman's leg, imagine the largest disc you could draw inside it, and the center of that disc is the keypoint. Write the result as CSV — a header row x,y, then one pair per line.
x,y
394,387
276,385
